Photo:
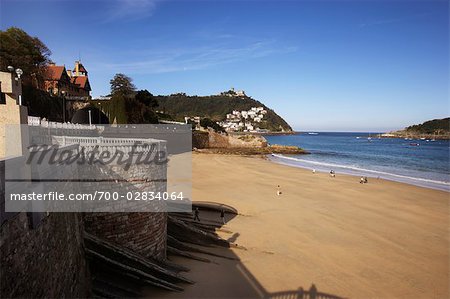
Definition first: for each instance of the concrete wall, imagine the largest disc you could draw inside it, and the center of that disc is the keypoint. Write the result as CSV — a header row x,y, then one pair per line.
x,y
9,84
11,113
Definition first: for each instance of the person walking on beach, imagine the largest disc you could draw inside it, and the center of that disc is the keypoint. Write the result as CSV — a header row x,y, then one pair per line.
x,y
365,180
361,180
332,173
278,190
196,213
314,171
222,216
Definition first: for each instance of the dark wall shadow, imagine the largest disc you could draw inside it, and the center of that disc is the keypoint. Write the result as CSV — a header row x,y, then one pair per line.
x,y
225,276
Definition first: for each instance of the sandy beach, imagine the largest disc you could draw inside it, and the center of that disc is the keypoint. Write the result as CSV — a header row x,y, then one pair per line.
x,y
377,240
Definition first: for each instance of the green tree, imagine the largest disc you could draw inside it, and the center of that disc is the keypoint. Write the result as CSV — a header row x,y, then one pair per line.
x,y
193,124
432,126
146,98
123,85
42,104
23,51
208,123
138,113
115,109
128,106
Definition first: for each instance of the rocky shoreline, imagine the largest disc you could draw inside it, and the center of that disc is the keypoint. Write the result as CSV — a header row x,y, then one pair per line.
x,y
417,136
211,142
251,151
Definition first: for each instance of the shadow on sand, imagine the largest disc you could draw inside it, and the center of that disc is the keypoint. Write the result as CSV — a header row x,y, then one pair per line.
x,y
222,274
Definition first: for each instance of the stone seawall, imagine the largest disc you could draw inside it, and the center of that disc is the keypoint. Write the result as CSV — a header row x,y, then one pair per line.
x,y
45,261
200,139
144,233
41,255
212,139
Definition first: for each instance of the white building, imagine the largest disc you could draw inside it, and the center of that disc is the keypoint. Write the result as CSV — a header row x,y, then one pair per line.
x,y
244,120
233,93
240,93
194,119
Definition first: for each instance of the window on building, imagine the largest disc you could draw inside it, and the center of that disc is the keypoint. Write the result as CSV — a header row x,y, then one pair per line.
x,y
2,96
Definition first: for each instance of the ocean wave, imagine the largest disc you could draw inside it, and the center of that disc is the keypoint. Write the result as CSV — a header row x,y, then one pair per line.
x,y
331,154
382,174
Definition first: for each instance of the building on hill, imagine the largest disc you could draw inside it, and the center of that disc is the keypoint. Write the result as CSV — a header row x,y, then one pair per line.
x,y
233,93
73,84
195,120
244,121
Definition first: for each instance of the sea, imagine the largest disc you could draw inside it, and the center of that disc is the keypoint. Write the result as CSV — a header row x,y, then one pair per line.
x,y
424,163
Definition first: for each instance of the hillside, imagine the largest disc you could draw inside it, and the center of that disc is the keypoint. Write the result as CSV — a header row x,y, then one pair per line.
x,y
435,126
432,129
216,108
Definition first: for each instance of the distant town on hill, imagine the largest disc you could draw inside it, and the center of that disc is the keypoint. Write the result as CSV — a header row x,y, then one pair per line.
x,y
226,108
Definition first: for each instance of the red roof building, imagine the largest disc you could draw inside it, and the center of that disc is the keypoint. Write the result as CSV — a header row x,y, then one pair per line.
x,y
82,83
72,84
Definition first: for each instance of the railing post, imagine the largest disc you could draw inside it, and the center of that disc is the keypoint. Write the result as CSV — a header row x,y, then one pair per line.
x,y
313,292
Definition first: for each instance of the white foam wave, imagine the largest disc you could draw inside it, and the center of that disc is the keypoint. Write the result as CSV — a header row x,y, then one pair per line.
x,y
382,174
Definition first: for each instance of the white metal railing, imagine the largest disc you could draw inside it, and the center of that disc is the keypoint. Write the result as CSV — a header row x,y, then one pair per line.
x,y
112,144
40,122
171,122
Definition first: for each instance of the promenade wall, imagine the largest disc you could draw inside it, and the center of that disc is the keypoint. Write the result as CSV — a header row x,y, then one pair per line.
x,y
41,255
212,139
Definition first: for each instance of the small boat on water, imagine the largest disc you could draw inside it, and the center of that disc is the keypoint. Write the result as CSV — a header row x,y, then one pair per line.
x,y
313,133
414,144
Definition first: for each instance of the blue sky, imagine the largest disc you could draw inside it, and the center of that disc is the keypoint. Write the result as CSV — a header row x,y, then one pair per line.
x,y
322,65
